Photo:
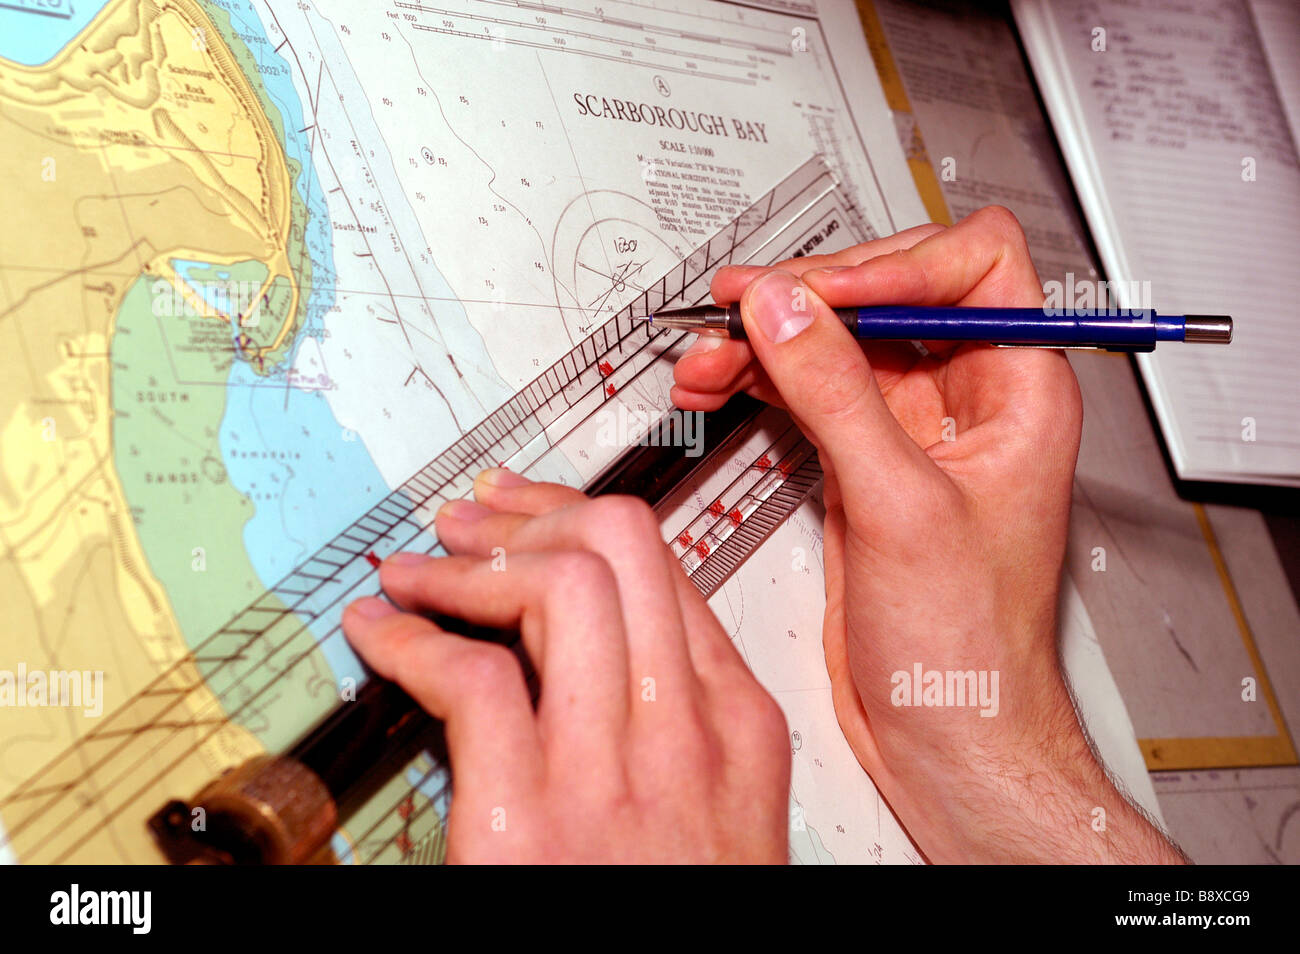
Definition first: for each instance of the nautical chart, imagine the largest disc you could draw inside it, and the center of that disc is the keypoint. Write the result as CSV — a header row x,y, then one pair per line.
x,y
265,260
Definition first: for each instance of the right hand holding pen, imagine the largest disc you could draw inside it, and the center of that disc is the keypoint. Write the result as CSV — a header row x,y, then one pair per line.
x,y
948,480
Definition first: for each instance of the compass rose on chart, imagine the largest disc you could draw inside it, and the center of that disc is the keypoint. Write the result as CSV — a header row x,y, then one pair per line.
x,y
623,278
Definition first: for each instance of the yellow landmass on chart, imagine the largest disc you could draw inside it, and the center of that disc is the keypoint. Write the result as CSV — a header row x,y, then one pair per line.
x,y
140,143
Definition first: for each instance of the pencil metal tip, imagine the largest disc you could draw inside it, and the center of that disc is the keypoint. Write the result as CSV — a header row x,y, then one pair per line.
x,y
1210,329
697,318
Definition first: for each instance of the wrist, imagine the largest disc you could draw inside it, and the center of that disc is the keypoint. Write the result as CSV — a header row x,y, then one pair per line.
x,y
1026,790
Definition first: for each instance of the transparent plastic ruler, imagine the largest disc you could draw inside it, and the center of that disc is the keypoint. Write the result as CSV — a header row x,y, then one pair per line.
x,y
111,775
762,492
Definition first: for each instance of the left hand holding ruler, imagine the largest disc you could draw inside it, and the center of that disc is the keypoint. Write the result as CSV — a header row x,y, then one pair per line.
x,y
285,808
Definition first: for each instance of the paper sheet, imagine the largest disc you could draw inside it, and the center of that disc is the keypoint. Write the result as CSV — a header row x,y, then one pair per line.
x,y
1278,24
984,135
1101,708
1188,175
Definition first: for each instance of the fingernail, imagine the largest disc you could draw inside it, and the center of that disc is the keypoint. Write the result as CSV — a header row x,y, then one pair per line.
x,y
503,477
465,510
703,345
372,607
407,558
779,305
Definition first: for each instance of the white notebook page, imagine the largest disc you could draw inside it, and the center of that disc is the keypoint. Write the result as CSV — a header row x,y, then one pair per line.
x,y
1163,131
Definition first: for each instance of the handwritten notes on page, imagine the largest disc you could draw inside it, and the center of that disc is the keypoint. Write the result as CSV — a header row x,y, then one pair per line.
x,y
1186,168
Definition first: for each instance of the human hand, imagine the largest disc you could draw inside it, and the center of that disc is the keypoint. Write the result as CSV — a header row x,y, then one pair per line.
x,y
948,480
651,741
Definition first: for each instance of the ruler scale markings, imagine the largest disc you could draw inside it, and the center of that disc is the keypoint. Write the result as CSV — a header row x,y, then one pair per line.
x,y
398,516
380,518
490,430
321,559
435,470
328,574
398,500
313,576
470,451
457,460
373,525
501,427
336,556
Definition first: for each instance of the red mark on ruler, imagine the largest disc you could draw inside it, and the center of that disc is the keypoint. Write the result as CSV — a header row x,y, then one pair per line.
x,y
610,390
765,462
606,369
373,560
716,508
702,549
686,539
736,516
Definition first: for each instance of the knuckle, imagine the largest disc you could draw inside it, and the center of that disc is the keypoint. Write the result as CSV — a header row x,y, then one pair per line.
x,y
622,517
695,742
752,719
486,669
1003,222
575,572
998,217
403,630
767,719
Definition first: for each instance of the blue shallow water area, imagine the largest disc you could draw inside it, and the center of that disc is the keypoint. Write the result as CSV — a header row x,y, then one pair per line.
x,y
307,478
32,32
203,279
285,451
282,446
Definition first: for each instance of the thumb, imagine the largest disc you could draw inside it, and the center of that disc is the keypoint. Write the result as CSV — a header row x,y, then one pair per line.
x,y
826,381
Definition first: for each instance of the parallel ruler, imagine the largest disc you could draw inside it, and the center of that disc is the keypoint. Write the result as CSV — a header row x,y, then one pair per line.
x,y
110,776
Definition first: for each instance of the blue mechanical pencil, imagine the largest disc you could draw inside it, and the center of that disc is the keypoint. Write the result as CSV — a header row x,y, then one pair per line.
x,y
1112,330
